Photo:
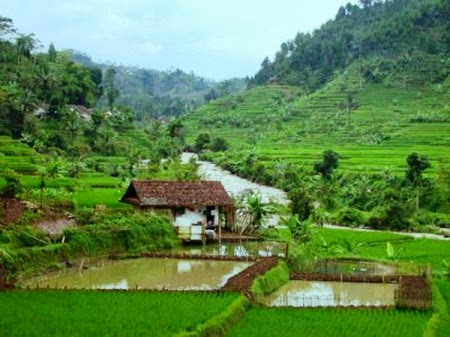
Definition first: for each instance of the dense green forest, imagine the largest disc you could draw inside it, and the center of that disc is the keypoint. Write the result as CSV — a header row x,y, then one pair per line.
x,y
152,93
386,38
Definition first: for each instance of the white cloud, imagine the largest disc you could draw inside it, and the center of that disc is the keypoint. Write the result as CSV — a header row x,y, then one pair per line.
x,y
214,38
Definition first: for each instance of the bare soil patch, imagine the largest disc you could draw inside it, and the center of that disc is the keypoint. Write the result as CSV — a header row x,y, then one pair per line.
x,y
242,282
55,226
11,210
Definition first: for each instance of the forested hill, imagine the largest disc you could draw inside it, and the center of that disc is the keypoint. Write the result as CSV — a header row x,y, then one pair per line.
x,y
385,36
156,93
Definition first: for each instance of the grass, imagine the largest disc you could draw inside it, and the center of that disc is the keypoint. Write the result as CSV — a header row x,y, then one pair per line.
x,y
263,322
419,251
369,237
444,328
99,196
84,313
406,249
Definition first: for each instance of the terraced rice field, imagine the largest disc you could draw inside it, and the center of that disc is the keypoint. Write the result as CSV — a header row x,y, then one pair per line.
x,y
380,132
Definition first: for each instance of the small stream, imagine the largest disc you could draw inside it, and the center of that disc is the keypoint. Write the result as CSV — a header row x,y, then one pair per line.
x,y
235,185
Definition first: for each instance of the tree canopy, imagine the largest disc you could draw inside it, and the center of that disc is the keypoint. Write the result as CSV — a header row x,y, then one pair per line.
x,y
392,30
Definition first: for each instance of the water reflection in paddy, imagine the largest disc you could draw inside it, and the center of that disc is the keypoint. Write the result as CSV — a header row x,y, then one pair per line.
x,y
171,274
243,249
331,294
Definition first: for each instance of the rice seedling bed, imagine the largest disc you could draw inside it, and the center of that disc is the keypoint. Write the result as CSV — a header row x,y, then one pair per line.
x,y
94,313
263,322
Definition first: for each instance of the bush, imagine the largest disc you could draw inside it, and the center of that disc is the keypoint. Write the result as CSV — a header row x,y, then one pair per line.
x,y
13,184
114,234
348,216
393,216
219,144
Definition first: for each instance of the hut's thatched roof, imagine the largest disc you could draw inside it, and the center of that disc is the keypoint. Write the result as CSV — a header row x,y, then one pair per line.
x,y
152,193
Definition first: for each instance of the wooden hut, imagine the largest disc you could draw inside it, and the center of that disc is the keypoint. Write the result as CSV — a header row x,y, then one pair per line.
x,y
198,209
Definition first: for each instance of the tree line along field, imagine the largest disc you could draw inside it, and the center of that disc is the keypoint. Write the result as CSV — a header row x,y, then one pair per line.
x,y
385,123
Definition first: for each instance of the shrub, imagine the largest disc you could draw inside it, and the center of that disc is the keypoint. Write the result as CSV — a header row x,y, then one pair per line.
x,y
13,185
219,144
348,216
393,216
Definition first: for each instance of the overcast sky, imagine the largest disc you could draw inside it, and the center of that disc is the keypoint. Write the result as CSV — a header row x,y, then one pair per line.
x,y
216,39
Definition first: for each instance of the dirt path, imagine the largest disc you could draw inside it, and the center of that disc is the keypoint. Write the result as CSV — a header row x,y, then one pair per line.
x,y
242,282
413,234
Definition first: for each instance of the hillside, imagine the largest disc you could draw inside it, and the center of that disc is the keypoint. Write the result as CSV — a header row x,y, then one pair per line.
x,y
415,35
153,93
373,107
386,124
379,121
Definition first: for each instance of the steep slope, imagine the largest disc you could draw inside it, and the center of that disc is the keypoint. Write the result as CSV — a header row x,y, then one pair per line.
x,y
373,126
373,85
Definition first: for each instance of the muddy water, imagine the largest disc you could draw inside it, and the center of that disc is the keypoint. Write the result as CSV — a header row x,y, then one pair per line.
x,y
171,274
368,268
244,249
235,185
331,294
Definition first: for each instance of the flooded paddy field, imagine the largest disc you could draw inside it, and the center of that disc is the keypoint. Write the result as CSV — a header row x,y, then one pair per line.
x,y
239,250
144,273
332,294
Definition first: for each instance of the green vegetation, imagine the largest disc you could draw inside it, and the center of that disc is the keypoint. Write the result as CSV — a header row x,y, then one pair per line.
x,y
351,120
369,184
378,105
444,310
328,322
407,250
221,323
30,251
270,281
78,313
381,33
153,94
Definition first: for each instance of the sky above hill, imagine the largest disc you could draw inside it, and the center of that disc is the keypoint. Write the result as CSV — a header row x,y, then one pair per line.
x,y
216,39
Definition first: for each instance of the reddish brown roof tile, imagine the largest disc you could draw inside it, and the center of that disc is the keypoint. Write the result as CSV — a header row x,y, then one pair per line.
x,y
176,193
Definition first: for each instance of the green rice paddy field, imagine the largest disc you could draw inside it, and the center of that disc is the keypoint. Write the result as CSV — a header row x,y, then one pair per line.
x,y
93,313
379,133
90,313
407,249
263,322
90,189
